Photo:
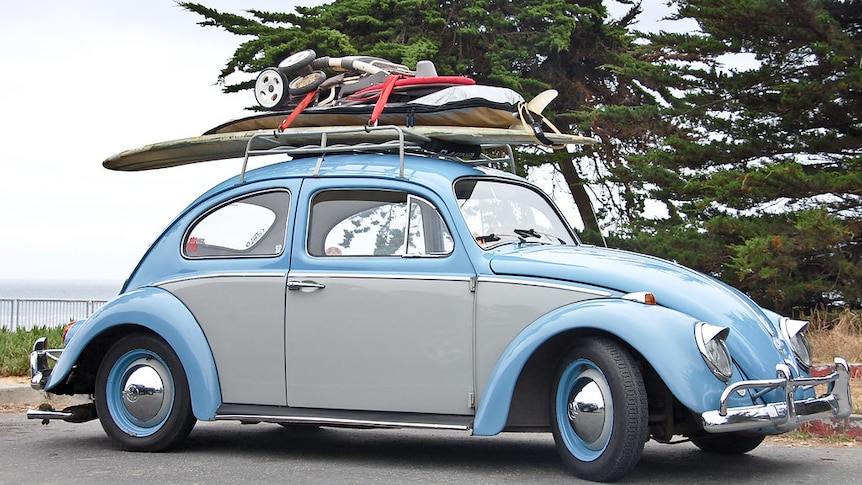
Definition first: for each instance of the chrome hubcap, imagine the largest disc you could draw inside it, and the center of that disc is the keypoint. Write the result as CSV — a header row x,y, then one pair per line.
x,y
146,391
590,409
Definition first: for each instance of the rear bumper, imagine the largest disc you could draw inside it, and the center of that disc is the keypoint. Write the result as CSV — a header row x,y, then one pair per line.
x,y
39,368
783,416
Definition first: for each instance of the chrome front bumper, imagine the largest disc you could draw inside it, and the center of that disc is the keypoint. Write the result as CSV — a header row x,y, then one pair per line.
x,y
787,415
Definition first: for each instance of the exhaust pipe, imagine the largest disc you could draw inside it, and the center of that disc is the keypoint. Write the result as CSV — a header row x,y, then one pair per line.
x,y
73,414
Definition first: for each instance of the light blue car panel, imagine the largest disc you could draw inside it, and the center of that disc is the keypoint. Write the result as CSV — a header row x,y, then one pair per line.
x,y
651,330
674,286
165,315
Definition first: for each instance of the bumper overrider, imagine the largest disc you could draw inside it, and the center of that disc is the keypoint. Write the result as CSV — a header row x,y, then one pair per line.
x,y
39,368
787,415
39,372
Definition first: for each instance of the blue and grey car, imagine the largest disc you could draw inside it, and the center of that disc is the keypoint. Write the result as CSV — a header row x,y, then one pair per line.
x,y
364,288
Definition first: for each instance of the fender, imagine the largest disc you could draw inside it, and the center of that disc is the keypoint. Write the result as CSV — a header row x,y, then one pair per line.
x,y
173,322
653,331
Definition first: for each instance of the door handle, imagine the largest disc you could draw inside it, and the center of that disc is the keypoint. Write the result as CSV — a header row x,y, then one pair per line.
x,y
305,285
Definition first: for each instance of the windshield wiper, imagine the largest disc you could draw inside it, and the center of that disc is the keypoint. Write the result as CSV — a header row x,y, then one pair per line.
x,y
488,238
524,233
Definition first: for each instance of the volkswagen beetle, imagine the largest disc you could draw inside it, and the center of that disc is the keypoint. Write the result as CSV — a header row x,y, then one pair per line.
x,y
376,289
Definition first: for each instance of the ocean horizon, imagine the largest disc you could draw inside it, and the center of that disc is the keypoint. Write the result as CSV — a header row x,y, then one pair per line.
x,y
60,289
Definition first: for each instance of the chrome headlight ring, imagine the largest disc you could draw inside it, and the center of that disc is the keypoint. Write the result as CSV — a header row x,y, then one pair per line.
x,y
794,331
711,343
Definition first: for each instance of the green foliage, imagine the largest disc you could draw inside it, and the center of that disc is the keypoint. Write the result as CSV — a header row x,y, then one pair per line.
x,y
806,265
769,163
15,348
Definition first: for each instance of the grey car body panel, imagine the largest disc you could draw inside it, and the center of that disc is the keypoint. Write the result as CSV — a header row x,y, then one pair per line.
x,y
241,315
345,352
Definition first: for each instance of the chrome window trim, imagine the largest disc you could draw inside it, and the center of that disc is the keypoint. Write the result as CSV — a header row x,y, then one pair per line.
x,y
526,184
188,229
410,195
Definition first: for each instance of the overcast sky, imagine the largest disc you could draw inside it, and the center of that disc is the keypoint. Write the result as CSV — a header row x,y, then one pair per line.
x,y
82,81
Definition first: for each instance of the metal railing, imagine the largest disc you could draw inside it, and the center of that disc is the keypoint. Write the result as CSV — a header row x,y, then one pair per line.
x,y
26,313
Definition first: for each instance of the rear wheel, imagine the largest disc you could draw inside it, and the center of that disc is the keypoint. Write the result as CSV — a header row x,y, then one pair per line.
x,y
142,394
599,410
729,443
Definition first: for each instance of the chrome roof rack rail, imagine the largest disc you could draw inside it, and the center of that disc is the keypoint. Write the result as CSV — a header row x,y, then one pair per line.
x,y
508,159
273,142
401,139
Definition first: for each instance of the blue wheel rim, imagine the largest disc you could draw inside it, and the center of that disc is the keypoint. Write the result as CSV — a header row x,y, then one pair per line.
x,y
578,376
119,399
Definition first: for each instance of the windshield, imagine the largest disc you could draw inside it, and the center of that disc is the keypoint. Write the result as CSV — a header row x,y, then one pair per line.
x,y
500,213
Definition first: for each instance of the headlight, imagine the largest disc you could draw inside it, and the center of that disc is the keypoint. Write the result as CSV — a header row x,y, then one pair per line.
x,y
794,330
710,340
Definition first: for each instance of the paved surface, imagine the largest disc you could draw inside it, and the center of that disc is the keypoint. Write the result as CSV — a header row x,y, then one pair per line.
x,y
16,392
228,452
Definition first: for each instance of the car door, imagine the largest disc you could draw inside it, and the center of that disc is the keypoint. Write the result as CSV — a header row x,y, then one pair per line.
x,y
235,262
379,313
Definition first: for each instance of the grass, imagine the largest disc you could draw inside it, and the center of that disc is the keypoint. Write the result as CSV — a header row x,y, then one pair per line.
x,y
835,335
15,348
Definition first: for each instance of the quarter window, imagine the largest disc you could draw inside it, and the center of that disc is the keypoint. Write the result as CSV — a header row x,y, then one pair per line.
x,y
249,226
376,223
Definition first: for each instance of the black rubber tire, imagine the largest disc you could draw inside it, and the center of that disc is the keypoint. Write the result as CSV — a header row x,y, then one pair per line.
x,y
152,417
729,443
599,440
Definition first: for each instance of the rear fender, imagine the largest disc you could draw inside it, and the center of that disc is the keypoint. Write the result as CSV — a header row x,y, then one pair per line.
x,y
162,313
664,337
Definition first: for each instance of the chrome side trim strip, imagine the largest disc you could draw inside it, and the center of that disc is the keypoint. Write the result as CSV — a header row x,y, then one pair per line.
x,y
337,422
379,276
217,275
545,284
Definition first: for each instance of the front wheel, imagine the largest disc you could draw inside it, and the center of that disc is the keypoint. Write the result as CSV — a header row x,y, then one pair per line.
x,y
599,413
142,394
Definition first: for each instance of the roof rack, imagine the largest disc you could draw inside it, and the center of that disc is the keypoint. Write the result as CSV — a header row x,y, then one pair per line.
x,y
386,138
463,143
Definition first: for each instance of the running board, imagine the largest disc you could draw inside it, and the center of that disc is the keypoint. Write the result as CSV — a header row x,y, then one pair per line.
x,y
340,418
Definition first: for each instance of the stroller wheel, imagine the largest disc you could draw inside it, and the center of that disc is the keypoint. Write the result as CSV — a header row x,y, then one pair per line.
x,y
306,84
297,61
269,89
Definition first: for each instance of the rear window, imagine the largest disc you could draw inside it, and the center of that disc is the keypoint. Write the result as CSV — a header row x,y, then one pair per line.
x,y
250,226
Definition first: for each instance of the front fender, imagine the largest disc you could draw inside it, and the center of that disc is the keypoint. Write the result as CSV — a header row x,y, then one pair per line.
x,y
161,312
664,337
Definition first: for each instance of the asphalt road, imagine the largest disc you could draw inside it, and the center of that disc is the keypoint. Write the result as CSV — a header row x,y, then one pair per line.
x,y
228,452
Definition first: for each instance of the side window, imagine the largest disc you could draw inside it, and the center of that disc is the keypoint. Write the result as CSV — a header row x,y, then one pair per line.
x,y
251,226
376,223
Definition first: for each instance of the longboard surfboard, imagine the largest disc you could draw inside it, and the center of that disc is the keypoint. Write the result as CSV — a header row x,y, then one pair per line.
x,y
223,146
